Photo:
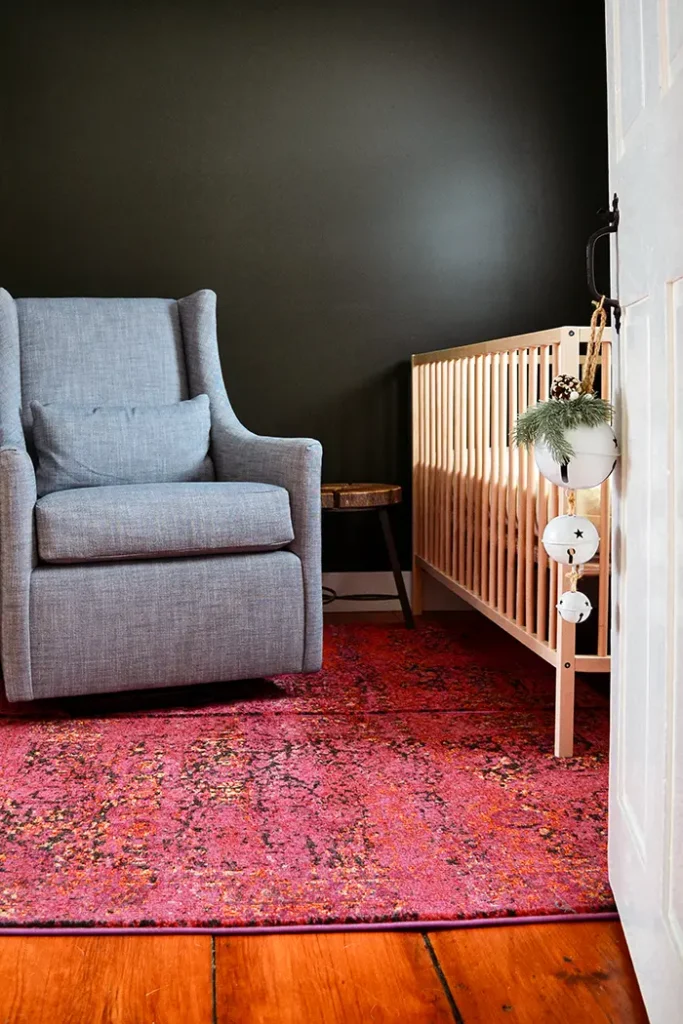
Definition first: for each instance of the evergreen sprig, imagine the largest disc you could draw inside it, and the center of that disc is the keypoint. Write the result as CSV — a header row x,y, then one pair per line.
x,y
548,422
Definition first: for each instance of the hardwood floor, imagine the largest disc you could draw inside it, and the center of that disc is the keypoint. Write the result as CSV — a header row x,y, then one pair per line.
x,y
112,980
517,974
543,972
353,976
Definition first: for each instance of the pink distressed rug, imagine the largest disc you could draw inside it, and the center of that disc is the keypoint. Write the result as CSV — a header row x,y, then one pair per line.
x,y
411,780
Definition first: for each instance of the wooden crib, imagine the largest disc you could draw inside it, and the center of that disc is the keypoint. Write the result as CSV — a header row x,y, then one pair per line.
x,y
480,505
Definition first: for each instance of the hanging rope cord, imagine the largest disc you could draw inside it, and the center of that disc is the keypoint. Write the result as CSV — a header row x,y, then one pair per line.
x,y
598,323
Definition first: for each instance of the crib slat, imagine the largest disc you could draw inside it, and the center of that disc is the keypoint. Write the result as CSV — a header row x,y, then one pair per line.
x,y
439,509
513,463
416,588
452,462
457,465
503,469
428,434
445,480
417,451
604,549
471,456
456,470
417,413
552,583
542,505
424,400
521,505
448,465
424,457
486,476
462,484
433,491
436,476
494,485
552,512
445,471
427,484
443,427
531,491
478,471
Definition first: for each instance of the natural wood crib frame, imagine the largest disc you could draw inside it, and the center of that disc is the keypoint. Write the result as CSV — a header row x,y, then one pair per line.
x,y
480,505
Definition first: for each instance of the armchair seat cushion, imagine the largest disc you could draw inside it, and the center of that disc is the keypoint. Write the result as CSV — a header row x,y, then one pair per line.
x,y
136,521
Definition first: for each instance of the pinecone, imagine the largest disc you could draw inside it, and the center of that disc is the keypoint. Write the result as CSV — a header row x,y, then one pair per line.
x,y
565,387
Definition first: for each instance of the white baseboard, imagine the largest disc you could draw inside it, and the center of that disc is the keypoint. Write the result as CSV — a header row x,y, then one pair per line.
x,y
435,597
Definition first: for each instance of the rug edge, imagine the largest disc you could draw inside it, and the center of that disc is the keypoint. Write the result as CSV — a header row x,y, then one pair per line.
x,y
303,929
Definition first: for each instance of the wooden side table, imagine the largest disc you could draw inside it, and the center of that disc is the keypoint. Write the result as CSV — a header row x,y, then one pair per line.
x,y
372,498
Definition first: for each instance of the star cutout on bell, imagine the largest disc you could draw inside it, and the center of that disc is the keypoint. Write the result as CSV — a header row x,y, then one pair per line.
x,y
578,533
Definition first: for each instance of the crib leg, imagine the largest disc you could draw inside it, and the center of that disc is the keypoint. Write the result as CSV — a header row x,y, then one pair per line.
x,y
416,588
565,672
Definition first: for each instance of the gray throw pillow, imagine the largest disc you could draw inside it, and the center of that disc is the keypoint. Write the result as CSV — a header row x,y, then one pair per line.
x,y
93,446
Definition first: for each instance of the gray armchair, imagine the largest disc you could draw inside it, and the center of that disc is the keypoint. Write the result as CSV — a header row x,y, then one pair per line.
x,y
126,587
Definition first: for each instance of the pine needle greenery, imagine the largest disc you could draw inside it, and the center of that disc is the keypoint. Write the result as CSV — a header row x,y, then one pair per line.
x,y
548,423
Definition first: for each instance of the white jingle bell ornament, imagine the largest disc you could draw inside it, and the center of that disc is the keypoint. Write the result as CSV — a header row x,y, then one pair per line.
x,y
574,606
596,451
572,540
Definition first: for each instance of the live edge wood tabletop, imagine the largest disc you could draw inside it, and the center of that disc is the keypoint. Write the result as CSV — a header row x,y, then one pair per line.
x,y
359,496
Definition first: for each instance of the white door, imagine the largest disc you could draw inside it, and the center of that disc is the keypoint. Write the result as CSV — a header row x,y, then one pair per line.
x,y
645,83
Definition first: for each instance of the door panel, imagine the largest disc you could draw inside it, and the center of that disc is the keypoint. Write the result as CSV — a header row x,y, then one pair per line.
x,y
672,40
631,73
634,478
674,702
645,58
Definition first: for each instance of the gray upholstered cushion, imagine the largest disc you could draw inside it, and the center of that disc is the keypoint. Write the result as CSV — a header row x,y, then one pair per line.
x,y
134,625
159,520
86,446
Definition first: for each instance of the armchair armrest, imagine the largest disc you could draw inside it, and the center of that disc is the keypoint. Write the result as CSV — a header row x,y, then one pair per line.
x,y
17,559
238,454
292,463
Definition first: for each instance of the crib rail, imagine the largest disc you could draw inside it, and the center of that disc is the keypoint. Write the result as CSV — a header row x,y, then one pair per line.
x,y
479,503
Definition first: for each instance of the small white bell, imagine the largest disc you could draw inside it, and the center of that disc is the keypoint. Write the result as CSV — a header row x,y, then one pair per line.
x,y
572,540
574,606
596,451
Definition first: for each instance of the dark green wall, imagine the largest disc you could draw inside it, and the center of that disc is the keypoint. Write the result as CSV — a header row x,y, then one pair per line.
x,y
357,182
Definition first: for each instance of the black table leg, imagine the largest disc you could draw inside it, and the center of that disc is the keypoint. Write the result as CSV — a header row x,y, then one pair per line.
x,y
396,568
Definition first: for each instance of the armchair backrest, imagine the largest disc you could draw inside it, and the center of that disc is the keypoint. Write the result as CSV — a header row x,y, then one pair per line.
x,y
104,351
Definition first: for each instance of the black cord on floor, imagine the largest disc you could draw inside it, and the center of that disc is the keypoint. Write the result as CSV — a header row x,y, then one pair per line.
x,y
330,595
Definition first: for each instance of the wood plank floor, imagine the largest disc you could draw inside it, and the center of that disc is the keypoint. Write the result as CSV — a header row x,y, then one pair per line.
x,y
112,980
521,974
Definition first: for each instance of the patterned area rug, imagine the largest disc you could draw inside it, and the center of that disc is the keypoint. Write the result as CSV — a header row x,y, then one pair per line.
x,y
412,779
